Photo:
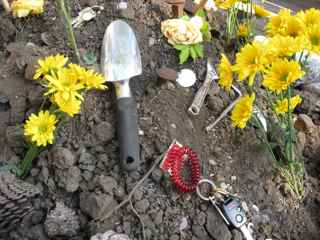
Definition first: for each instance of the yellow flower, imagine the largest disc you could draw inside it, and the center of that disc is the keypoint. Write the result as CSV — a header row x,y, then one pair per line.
x,y
313,36
281,74
89,78
68,102
282,106
51,63
280,46
225,4
294,27
22,8
243,30
309,17
277,23
242,111
249,61
179,31
64,81
260,11
40,129
225,73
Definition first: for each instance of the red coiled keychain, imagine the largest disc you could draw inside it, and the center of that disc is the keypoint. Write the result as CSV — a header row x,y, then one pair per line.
x,y
174,162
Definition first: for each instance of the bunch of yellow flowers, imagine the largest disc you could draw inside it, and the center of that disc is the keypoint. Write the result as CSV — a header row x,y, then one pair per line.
x,y
65,84
275,60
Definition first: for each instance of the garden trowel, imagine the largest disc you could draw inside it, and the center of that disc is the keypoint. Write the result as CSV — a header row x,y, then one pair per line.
x,y
120,61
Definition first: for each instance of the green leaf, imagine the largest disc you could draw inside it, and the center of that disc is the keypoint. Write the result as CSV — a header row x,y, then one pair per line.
x,y
184,55
201,13
199,49
193,53
180,46
205,30
185,17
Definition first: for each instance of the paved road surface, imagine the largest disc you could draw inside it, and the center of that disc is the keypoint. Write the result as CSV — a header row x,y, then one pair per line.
x,y
294,5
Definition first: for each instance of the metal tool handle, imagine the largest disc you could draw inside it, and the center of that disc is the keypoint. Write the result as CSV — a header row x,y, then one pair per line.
x,y
198,100
246,233
128,133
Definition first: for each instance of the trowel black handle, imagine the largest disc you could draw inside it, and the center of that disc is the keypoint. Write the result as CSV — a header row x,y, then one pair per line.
x,y
128,133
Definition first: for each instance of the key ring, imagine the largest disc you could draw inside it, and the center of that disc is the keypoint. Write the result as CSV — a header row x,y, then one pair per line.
x,y
212,185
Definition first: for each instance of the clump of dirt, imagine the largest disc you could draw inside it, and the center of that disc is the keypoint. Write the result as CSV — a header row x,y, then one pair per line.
x,y
80,176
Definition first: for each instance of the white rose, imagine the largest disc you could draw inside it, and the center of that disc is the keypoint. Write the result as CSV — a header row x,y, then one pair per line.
x,y
179,31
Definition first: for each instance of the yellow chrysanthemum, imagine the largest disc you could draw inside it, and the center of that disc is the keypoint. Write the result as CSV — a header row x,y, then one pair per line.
x,y
277,23
242,111
313,36
51,63
281,74
225,4
249,61
67,102
225,73
280,46
294,27
282,106
40,129
309,17
243,30
22,8
260,11
64,81
89,78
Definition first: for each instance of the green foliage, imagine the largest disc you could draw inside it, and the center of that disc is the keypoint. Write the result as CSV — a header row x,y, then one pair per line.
x,y
194,51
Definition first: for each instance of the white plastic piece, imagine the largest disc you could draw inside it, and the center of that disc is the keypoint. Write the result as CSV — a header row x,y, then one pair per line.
x,y
186,78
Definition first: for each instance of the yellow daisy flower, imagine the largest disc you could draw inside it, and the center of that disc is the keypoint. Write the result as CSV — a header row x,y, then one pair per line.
x,y
51,63
277,23
225,4
40,129
260,11
242,111
309,17
282,106
313,37
249,61
64,81
68,102
225,73
89,78
294,27
243,30
280,46
281,74
22,8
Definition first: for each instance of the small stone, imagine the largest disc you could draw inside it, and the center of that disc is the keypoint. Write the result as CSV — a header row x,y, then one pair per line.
x,y
18,105
61,157
215,226
127,227
174,237
69,178
223,185
183,224
212,162
110,235
35,96
157,175
105,131
14,136
215,104
108,184
158,218
304,123
96,204
87,161
31,68
119,193
237,235
138,194
142,205
62,221
152,41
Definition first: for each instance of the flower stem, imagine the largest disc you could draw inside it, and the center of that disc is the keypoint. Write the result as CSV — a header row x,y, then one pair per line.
x,y
26,163
67,22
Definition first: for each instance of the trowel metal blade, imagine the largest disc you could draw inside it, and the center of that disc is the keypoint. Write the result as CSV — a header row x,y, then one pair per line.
x,y
120,58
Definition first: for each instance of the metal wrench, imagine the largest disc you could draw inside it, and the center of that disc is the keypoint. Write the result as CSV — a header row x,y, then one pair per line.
x,y
201,94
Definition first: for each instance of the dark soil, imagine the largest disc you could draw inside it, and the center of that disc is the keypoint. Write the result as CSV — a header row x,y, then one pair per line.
x,y
80,176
